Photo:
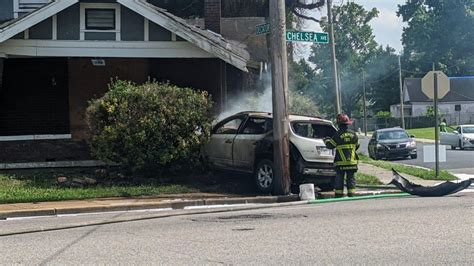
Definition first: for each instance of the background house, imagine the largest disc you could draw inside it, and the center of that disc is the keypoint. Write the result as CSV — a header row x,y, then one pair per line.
x,y
457,106
56,55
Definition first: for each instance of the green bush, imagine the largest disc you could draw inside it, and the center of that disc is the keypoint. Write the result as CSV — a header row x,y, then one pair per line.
x,y
383,114
149,128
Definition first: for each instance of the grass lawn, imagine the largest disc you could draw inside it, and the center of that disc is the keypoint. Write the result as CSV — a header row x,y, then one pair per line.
x,y
414,171
425,133
422,133
16,188
363,179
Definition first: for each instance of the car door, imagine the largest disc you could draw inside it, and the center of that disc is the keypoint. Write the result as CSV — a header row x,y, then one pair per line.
x,y
254,130
219,149
448,138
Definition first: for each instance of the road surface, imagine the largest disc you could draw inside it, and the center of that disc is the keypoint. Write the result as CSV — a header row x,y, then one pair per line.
x,y
402,231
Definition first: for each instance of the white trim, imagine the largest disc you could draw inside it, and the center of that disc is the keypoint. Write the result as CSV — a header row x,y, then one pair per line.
x,y
220,49
35,137
173,36
27,34
34,18
102,49
82,14
146,30
55,27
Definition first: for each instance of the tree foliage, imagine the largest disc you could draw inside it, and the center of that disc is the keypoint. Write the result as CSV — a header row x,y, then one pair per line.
x,y
440,32
355,45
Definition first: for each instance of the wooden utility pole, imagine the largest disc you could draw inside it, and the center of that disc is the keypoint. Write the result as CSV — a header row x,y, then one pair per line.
x,y
365,104
333,57
402,107
281,150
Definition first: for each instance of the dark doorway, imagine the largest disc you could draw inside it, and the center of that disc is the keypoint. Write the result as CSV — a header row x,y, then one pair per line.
x,y
34,97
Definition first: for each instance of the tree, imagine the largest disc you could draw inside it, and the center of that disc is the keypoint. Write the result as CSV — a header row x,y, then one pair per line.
x,y
440,32
355,45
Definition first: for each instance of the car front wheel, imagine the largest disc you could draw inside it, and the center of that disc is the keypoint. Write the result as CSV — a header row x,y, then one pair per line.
x,y
264,176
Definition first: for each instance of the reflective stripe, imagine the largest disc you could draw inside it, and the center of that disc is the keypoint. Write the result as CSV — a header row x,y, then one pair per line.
x,y
331,141
347,146
342,163
341,154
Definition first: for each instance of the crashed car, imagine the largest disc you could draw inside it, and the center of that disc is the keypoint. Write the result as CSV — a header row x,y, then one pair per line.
x,y
390,143
244,143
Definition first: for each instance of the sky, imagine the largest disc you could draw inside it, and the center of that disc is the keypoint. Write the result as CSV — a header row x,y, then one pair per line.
x,y
387,26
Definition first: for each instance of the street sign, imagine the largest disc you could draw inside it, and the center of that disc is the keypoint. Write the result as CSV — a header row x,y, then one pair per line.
x,y
262,29
303,36
427,84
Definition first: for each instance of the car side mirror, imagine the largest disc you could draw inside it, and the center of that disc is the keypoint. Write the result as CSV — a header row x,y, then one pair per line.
x,y
412,136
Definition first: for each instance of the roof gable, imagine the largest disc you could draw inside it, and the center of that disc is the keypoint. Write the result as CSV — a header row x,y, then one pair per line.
x,y
210,42
15,26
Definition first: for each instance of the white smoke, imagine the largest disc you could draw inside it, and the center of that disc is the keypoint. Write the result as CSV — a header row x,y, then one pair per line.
x,y
250,101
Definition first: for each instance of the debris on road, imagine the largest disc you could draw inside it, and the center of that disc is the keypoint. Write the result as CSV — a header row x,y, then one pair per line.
x,y
438,190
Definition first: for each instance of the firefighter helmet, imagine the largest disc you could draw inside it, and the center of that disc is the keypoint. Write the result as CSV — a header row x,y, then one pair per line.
x,y
343,119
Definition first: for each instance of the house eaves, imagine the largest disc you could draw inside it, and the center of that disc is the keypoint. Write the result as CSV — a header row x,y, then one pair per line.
x,y
232,53
15,26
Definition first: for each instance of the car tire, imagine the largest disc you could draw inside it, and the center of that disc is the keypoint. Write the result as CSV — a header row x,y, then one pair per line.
x,y
414,156
460,145
263,176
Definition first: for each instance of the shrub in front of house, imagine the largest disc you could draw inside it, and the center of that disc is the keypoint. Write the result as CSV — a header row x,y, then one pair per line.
x,y
149,128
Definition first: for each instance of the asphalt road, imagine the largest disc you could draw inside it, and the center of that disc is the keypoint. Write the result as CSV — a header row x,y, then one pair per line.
x,y
457,161
386,231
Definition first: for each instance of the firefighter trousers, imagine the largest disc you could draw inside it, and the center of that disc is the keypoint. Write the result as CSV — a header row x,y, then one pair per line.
x,y
350,182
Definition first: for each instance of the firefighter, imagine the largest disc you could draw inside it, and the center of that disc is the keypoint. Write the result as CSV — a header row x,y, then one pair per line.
x,y
346,143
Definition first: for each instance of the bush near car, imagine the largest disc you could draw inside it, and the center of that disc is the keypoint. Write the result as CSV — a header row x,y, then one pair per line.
x,y
149,128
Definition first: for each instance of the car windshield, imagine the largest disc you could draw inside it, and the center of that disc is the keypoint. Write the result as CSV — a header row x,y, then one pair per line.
x,y
312,130
468,130
390,135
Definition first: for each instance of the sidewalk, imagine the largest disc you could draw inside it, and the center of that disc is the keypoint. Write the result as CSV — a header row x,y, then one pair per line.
x,y
385,176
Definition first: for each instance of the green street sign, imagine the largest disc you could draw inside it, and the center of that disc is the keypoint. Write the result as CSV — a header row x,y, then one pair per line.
x,y
262,29
303,36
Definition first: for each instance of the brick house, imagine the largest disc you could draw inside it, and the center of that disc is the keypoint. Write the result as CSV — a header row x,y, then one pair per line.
x,y
55,55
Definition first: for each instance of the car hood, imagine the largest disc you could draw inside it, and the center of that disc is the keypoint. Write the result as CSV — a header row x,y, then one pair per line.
x,y
396,141
469,135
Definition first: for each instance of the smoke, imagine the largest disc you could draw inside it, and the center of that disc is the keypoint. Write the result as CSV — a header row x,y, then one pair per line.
x,y
258,101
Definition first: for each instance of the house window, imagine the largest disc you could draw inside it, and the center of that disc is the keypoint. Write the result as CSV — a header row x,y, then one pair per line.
x,y
100,19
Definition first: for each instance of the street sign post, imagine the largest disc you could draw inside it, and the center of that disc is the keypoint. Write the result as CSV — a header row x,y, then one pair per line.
x,y
304,36
435,85
262,29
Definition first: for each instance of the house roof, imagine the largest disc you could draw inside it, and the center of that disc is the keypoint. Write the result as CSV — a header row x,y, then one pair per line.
x,y
462,90
231,52
15,26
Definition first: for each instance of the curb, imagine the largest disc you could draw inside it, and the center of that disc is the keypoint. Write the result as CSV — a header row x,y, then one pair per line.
x,y
175,205
173,213
181,212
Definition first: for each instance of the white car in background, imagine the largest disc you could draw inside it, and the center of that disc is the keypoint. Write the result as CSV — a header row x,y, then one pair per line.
x,y
462,137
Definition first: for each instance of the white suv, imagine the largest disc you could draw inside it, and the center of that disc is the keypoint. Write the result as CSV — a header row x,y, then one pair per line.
x,y
244,142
